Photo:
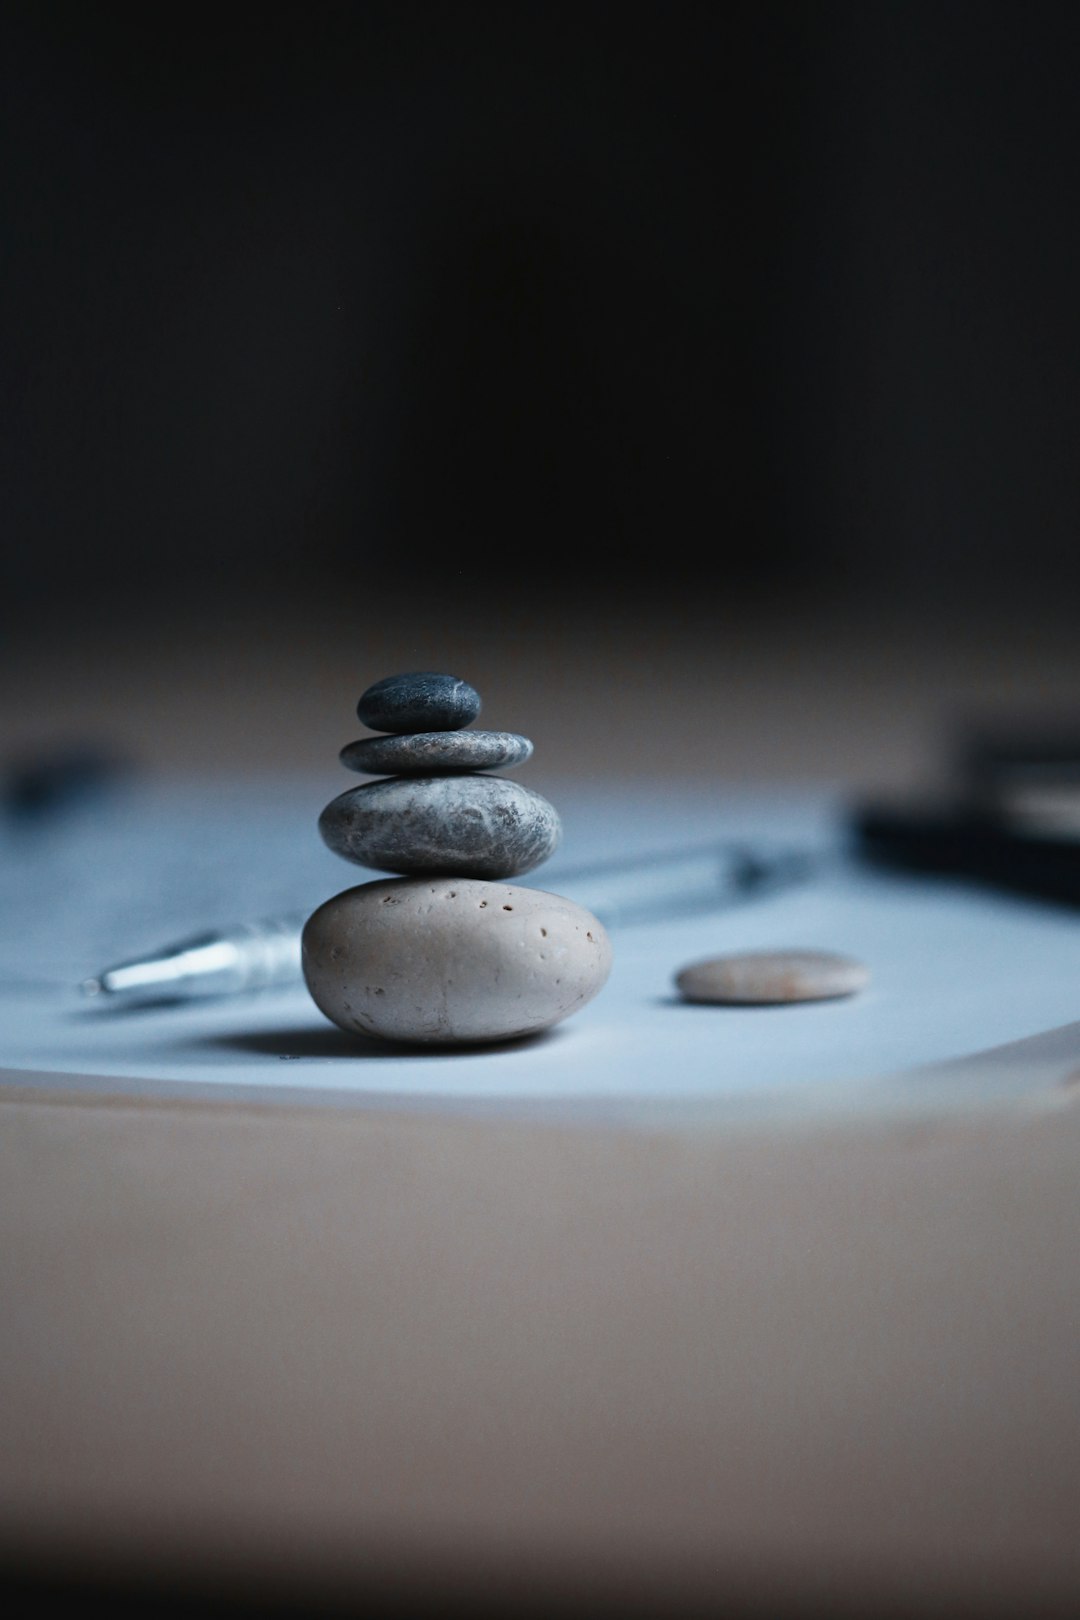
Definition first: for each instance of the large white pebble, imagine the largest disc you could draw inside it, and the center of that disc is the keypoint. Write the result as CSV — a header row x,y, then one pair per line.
x,y
451,960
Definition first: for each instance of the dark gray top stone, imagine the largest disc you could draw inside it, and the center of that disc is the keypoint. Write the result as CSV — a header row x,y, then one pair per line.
x,y
433,753
422,701
479,826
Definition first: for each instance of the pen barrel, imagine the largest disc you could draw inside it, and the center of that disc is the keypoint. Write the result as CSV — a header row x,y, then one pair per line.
x,y
662,889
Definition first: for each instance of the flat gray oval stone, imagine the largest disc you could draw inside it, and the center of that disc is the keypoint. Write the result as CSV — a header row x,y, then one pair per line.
x,y
764,977
480,826
428,753
422,701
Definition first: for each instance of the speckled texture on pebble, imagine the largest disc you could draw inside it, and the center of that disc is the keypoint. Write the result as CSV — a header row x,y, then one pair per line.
x,y
772,977
451,960
430,753
421,701
485,826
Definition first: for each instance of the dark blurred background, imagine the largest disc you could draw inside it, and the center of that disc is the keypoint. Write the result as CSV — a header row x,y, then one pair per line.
x,y
748,310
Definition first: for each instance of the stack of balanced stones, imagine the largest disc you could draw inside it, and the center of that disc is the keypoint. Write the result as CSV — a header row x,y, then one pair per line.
x,y
447,952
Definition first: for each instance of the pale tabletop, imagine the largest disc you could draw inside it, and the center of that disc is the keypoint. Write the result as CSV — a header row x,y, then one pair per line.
x,y
320,1354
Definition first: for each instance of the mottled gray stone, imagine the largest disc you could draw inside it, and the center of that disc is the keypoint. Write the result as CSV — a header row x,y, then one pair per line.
x,y
432,753
451,960
422,701
762,977
482,826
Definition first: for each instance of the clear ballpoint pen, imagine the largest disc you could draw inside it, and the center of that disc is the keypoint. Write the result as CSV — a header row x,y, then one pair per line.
x,y
222,962
265,953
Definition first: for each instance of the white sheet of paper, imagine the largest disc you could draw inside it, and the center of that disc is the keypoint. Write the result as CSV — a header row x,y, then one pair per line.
x,y
955,968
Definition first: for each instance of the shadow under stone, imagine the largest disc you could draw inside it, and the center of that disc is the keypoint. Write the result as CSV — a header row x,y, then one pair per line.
x,y
750,1006
307,1043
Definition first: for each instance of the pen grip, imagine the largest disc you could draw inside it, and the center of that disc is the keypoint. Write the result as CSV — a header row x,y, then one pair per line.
x,y
268,952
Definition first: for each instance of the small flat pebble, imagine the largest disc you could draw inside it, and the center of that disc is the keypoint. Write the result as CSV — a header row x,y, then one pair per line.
x,y
451,961
483,826
772,977
422,701
427,753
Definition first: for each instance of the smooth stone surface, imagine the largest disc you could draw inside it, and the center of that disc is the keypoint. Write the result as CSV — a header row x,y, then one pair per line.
x,y
421,701
451,960
427,753
482,826
772,977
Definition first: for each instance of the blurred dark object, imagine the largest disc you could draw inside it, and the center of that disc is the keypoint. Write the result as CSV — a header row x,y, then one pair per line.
x,y
1027,777
1011,817
964,844
40,787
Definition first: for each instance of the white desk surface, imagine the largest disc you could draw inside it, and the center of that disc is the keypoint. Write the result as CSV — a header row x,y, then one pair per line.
x,y
585,1318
